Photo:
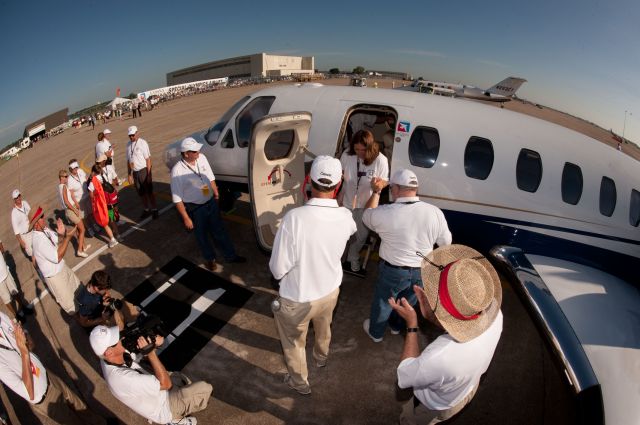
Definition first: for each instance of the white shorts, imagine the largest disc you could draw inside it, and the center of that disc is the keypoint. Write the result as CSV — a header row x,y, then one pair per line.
x,y
8,288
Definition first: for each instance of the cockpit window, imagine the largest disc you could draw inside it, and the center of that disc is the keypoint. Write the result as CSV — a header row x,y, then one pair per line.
x,y
256,109
214,132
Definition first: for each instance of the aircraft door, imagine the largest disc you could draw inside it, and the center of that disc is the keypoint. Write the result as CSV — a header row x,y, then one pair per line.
x,y
276,170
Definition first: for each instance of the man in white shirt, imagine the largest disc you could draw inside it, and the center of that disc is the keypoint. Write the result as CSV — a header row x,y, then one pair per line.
x,y
194,191
20,221
103,146
49,252
24,374
139,170
462,295
153,396
405,227
306,258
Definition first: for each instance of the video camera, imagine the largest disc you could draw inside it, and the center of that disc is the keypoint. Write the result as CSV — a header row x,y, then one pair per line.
x,y
148,326
112,305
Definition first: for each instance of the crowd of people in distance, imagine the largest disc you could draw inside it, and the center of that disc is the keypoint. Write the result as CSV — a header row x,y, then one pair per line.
x,y
452,286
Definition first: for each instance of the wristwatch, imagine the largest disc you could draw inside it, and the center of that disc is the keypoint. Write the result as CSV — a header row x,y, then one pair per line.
x,y
409,330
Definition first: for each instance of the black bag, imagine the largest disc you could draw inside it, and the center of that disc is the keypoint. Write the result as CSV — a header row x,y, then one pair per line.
x,y
108,187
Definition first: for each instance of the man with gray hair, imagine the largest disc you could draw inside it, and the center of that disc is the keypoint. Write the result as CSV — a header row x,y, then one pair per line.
x,y
405,227
306,257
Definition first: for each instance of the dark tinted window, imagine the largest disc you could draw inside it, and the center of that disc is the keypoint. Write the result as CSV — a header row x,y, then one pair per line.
x,y
478,158
424,147
213,134
528,170
279,144
256,109
608,196
634,208
571,183
227,142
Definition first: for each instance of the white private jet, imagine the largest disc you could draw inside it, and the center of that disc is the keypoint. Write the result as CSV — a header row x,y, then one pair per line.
x,y
504,91
557,209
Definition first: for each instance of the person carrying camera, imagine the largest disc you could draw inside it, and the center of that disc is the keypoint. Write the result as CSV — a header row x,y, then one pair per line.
x,y
95,305
153,396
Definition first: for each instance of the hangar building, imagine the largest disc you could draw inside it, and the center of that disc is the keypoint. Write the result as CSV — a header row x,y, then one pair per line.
x,y
42,125
259,65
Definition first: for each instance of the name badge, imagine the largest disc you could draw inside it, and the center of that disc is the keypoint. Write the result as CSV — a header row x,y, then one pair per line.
x,y
205,190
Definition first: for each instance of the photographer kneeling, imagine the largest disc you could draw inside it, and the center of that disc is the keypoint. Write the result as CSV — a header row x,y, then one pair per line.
x,y
152,396
96,306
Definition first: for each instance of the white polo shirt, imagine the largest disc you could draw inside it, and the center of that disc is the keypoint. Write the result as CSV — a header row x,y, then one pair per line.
x,y
192,183
78,185
61,189
139,390
447,371
406,226
351,167
45,250
20,218
11,365
307,249
102,147
137,153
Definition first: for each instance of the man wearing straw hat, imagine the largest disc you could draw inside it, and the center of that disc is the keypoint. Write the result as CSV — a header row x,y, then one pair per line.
x,y
405,227
462,295
49,248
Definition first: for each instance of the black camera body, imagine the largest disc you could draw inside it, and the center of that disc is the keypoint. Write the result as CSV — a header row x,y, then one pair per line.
x,y
148,326
113,304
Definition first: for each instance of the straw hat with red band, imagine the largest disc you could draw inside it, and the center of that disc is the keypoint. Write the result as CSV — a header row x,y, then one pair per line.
x,y
35,216
463,290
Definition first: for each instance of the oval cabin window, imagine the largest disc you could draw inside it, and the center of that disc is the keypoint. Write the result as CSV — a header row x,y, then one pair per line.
x,y
478,158
528,170
608,196
424,147
571,183
634,208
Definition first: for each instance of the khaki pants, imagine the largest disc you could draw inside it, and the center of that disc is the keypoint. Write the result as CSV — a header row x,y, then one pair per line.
x,y
186,397
64,406
292,322
63,287
421,415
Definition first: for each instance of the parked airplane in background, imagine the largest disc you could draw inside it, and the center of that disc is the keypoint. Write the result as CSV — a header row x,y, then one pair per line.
x,y
504,91
10,153
559,210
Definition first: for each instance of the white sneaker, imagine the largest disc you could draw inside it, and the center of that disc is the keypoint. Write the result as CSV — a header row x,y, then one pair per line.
x,y
86,247
113,242
187,420
365,326
355,265
82,254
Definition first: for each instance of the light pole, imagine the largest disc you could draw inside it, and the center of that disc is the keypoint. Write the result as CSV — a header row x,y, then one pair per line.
x,y
624,126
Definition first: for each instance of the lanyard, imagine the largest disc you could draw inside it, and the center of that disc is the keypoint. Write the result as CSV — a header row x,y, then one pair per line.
x,y
24,210
49,238
133,146
197,173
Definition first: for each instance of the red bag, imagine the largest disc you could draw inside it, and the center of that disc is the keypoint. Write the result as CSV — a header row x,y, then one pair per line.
x,y
99,203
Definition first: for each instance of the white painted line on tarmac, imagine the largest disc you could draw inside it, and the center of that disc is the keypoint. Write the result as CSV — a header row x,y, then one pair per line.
x,y
197,308
163,288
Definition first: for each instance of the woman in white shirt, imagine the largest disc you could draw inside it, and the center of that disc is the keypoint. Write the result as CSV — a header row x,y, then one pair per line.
x,y
360,164
72,211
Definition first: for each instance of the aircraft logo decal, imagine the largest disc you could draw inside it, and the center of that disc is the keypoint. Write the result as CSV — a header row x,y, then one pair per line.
x,y
404,126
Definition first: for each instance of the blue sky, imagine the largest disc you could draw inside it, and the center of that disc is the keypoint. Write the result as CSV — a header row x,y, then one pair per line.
x,y
581,57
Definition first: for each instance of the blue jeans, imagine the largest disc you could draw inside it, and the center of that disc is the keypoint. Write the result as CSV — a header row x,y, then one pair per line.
x,y
207,221
396,283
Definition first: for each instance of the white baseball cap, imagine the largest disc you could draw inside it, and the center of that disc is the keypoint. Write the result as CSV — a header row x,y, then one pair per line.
x,y
106,131
190,144
132,130
326,167
15,193
102,338
405,178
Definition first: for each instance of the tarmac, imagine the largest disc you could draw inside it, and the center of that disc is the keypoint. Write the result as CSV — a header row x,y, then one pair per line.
x,y
243,358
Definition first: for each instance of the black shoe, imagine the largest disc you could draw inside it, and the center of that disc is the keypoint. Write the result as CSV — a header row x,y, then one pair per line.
x,y
145,214
238,259
27,311
154,214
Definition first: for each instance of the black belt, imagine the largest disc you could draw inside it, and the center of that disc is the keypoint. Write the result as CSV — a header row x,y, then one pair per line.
x,y
383,261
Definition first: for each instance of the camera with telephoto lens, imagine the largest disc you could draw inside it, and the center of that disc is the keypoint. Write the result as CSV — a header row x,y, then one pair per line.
x,y
148,326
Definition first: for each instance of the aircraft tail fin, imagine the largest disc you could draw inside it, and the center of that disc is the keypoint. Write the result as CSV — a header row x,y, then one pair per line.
x,y
507,87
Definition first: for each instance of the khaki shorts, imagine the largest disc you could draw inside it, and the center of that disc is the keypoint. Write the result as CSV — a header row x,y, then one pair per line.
x,y
8,288
72,216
